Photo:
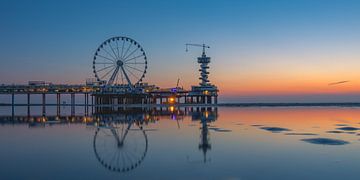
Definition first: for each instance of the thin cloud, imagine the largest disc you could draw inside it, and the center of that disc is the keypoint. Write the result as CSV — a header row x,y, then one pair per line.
x,y
339,82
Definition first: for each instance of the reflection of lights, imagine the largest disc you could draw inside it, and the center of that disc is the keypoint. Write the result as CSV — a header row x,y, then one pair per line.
x,y
206,114
43,119
172,108
87,119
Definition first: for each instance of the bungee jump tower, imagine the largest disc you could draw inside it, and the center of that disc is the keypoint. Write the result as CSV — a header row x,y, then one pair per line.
x,y
205,93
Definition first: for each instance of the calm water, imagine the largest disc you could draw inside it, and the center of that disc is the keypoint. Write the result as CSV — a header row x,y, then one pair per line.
x,y
222,143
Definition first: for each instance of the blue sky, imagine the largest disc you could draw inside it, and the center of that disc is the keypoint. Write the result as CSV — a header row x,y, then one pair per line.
x,y
252,43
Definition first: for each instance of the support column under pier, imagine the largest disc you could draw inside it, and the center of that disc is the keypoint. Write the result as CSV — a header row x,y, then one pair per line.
x,y
58,104
209,100
28,104
43,103
72,104
13,104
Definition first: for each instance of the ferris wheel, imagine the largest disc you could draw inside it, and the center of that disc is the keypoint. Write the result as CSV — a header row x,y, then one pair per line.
x,y
120,61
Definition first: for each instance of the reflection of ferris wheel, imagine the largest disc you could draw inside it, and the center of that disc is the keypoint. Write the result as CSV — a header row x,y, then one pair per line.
x,y
120,147
120,60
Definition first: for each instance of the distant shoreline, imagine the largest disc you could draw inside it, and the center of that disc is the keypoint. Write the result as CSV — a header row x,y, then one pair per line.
x,y
348,104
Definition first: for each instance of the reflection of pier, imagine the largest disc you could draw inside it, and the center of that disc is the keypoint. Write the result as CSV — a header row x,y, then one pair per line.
x,y
120,139
43,121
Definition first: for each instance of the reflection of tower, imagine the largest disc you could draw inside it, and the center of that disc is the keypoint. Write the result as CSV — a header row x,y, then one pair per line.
x,y
205,115
205,140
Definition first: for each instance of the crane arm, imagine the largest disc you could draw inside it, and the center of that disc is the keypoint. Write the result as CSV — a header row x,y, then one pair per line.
x,y
197,45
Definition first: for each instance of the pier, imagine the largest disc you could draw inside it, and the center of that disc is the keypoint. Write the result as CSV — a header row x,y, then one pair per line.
x,y
119,67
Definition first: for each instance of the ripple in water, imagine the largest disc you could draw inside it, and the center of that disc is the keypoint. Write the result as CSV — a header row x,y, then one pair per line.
x,y
275,129
301,134
220,130
335,132
348,128
341,124
325,141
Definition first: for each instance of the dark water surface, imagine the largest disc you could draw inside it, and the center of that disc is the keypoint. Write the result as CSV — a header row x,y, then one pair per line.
x,y
185,143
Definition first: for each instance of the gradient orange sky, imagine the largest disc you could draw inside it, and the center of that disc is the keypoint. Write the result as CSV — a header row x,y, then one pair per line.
x,y
259,49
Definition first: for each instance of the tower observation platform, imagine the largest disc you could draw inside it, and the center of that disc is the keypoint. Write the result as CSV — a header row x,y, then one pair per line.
x,y
119,66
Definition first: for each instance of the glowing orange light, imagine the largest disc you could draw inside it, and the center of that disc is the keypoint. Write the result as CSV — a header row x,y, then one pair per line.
x,y
206,92
172,108
171,100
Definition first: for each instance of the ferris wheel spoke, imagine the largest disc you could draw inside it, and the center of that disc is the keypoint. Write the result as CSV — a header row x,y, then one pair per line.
x,y
131,73
105,68
128,157
112,159
127,50
132,155
112,49
123,158
107,73
134,68
131,53
103,63
134,63
106,58
117,48
107,52
133,58
118,159
122,48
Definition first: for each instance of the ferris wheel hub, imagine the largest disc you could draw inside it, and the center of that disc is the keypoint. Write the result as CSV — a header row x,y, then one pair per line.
x,y
119,63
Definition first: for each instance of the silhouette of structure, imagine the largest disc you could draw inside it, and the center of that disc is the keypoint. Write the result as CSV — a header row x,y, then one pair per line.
x,y
119,66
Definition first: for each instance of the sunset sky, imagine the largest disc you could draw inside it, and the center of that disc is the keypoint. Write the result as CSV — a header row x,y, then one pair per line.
x,y
261,50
